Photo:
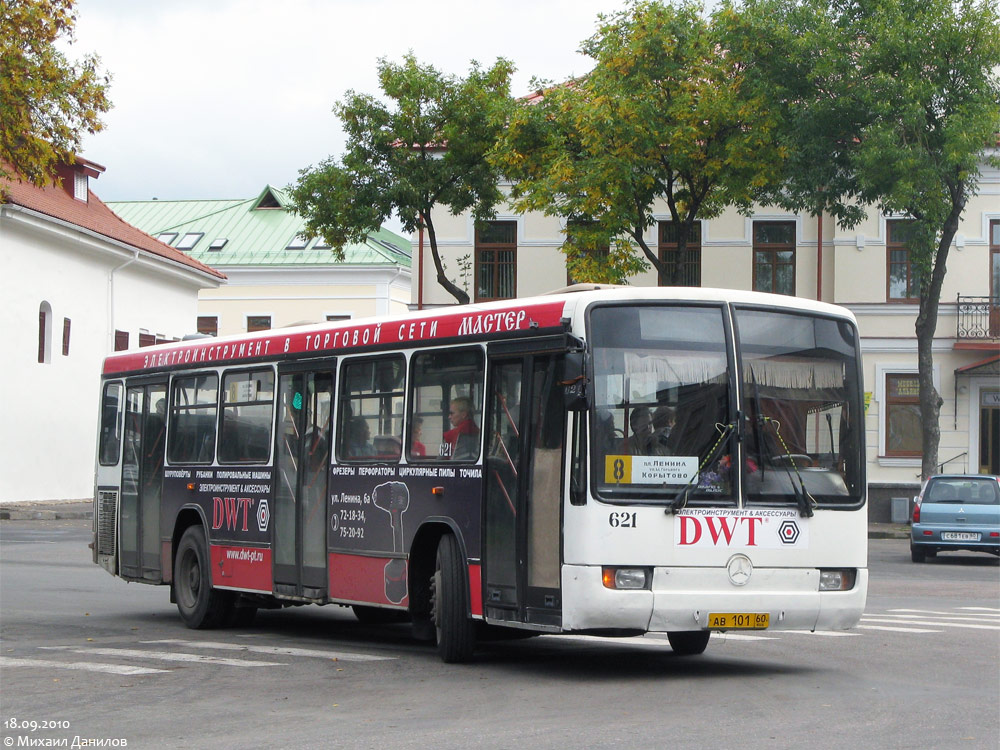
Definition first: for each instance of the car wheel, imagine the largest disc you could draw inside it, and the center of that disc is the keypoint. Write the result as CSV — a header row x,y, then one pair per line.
x,y
917,554
689,642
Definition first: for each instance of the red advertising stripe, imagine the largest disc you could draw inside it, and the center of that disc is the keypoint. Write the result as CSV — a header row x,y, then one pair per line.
x,y
483,321
476,589
246,568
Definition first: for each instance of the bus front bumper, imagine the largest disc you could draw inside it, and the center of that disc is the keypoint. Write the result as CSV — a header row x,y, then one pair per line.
x,y
681,599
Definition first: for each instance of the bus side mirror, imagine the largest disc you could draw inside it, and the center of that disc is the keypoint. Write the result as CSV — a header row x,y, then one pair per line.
x,y
574,381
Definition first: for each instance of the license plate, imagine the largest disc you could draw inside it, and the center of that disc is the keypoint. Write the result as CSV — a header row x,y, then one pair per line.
x,y
960,536
739,620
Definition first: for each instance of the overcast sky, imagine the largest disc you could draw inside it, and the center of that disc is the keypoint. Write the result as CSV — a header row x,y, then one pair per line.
x,y
217,98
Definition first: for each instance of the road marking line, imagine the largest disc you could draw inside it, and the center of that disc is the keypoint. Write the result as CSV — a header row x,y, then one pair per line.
x,y
983,609
134,653
742,637
275,650
825,633
934,623
896,630
986,614
963,618
84,666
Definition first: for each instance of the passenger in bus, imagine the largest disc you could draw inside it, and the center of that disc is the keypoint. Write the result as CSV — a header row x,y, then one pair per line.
x,y
663,424
359,437
416,447
462,440
640,442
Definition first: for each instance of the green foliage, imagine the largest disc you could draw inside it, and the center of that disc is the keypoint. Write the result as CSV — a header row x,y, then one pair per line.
x,y
664,115
46,102
427,147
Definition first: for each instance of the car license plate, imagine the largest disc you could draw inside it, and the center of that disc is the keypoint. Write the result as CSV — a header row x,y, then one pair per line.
x,y
960,536
739,620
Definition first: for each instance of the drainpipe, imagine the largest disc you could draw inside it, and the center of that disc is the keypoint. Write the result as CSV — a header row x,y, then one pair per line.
x,y
111,299
420,269
819,257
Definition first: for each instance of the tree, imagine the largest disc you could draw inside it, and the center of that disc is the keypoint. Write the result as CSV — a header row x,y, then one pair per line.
x,y
427,149
46,102
885,103
663,116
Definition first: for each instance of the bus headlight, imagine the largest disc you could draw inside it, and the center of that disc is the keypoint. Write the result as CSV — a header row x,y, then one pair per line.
x,y
625,578
837,580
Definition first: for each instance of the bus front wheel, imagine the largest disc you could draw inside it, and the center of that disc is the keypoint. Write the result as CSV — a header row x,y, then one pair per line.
x,y
200,605
456,634
689,642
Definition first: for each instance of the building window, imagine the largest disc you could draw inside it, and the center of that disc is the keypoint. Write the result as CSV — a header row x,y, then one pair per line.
x,y
774,257
146,339
903,434
217,244
336,318
208,324
689,263
496,260
167,237
121,341
65,346
902,282
80,186
298,242
44,333
258,323
600,253
995,262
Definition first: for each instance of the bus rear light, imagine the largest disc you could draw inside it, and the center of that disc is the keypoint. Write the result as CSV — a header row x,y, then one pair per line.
x,y
625,578
837,580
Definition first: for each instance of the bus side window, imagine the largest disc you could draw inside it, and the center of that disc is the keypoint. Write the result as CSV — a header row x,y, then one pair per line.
x,y
370,427
247,406
193,408
111,424
446,405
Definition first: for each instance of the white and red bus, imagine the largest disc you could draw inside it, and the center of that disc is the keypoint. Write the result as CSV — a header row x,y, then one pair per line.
x,y
612,461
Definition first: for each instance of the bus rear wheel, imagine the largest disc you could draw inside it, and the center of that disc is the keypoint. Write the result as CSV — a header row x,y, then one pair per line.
x,y
456,633
200,606
689,642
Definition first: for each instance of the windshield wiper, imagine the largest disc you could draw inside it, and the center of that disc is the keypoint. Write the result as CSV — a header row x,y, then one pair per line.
x,y
803,499
684,494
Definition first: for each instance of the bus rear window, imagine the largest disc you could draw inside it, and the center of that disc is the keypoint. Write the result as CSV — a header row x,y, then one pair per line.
x,y
247,406
193,410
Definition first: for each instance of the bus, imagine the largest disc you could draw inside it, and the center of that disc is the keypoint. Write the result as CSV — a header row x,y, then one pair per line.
x,y
611,461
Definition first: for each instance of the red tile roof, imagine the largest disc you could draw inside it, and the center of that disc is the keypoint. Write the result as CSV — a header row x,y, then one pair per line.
x,y
58,202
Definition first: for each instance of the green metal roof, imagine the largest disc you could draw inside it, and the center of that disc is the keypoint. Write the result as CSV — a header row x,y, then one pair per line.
x,y
257,231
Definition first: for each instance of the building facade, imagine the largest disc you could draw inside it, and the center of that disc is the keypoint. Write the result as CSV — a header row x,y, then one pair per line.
x,y
866,269
277,276
77,283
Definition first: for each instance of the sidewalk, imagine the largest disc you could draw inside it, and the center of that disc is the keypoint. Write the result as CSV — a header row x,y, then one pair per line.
x,y
47,510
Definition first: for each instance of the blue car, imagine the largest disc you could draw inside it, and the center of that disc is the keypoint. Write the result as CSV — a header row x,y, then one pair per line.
x,y
956,512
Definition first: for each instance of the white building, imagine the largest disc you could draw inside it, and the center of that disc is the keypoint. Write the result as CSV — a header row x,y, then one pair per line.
x,y
75,280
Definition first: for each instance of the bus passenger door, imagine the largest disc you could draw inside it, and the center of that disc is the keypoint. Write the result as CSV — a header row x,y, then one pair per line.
x,y
523,479
302,458
142,480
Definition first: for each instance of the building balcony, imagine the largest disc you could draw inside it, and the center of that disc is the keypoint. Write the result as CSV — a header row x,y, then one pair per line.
x,y
978,320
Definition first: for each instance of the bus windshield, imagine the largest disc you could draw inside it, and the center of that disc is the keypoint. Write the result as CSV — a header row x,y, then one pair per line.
x,y
800,395
663,418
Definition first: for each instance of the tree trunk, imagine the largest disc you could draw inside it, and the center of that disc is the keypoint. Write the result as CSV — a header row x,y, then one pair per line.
x,y
453,289
925,327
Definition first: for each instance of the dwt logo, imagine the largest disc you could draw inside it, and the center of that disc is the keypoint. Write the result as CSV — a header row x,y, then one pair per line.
x,y
233,513
719,529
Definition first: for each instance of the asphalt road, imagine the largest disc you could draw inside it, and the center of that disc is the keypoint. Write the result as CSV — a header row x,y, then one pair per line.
x,y
103,660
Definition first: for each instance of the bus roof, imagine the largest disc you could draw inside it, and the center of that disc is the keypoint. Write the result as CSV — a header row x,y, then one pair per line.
x,y
480,321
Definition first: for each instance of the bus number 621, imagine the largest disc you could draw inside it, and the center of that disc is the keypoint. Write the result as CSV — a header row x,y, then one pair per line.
x,y
622,520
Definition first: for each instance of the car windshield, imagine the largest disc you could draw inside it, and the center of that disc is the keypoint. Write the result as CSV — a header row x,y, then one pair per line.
x,y
965,490
662,417
803,419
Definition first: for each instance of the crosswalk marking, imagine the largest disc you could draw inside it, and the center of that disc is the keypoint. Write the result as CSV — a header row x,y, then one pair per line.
x,y
825,633
931,621
983,609
134,653
84,666
274,650
946,614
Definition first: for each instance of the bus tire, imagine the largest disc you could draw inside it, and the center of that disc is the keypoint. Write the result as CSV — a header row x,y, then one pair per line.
x,y
200,606
456,634
689,642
